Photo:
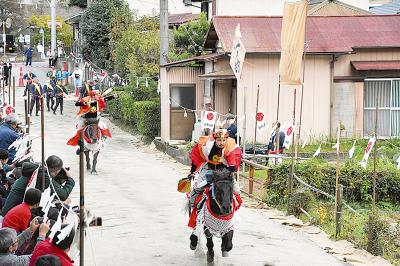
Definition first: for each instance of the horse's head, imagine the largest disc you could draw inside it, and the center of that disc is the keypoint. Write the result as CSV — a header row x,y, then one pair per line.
x,y
223,190
92,133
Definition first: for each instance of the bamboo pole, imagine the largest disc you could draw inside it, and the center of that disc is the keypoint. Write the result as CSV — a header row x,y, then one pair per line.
x,y
277,129
375,150
290,180
81,202
255,126
337,196
42,140
13,91
244,128
13,80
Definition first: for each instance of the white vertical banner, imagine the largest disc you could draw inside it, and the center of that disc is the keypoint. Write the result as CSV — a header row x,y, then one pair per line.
x,y
351,151
261,122
238,53
208,120
368,150
288,136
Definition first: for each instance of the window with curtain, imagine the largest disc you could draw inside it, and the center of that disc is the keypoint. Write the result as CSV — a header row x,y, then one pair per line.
x,y
386,92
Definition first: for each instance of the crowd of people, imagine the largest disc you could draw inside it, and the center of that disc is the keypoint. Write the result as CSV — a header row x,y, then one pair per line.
x,y
30,230
28,233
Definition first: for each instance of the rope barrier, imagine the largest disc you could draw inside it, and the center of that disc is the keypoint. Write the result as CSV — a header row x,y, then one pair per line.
x,y
323,193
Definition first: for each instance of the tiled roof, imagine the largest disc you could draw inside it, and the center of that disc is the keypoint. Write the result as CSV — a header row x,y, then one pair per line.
x,y
332,34
376,65
390,8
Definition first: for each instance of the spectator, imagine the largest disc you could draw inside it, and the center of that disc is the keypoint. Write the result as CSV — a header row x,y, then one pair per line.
x,y
10,242
19,216
28,53
56,248
48,260
62,185
28,77
232,128
272,143
8,134
6,72
77,74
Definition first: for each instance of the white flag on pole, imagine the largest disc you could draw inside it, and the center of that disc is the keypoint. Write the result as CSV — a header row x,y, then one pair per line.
x,y
238,53
368,150
351,151
304,144
288,136
261,123
208,120
318,151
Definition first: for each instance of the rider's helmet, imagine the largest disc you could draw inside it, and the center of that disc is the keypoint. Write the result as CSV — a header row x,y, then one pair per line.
x,y
220,133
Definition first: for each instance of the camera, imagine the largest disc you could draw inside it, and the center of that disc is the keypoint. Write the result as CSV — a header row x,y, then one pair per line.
x,y
62,174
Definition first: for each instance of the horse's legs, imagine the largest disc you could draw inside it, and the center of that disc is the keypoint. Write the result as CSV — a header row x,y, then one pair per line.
x,y
227,245
210,245
193,241
95,162
87,156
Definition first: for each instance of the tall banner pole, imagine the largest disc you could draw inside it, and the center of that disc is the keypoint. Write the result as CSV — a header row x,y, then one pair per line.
x,y
244,128
81,202
255,126
42,139
29,110
290,180
13,79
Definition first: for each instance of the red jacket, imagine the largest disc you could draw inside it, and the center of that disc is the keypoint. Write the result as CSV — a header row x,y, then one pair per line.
x,y
46,248
18,217
231,155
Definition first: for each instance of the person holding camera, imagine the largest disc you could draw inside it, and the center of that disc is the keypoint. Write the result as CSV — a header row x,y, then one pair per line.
x,y
10,242
62,182
9,133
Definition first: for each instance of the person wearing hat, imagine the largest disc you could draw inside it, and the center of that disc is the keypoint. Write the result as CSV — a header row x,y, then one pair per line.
x,y
9,134
217,151
36,91
48,90
59,93
211,153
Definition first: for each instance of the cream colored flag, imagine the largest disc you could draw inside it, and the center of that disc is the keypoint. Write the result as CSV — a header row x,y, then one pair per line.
x,y
292,41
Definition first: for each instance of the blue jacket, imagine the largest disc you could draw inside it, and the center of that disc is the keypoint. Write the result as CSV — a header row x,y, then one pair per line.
x,y
29,77
7,136
29,52
58,91
35,93
49,90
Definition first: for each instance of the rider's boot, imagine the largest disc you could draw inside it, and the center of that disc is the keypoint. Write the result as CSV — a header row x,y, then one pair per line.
x,y
193,241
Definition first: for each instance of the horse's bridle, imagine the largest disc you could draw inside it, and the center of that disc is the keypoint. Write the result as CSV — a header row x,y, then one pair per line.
x,y
213,194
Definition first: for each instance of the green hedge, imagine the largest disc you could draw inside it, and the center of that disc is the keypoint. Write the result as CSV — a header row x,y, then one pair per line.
x,y
137,107
147,116
356,180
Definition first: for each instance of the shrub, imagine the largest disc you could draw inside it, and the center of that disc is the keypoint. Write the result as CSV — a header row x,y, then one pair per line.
x,y
356,180
147,116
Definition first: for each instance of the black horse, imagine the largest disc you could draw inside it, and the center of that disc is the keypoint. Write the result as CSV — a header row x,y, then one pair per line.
x,y
221,205
92,137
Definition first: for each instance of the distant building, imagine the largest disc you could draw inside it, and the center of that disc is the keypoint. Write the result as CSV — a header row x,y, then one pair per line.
x,y
392,7
346,63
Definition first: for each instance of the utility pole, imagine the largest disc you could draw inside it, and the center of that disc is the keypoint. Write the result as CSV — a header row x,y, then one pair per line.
x,y
163,32
53,27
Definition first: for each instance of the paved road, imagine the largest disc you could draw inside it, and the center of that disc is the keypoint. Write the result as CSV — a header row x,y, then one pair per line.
x,y
135,193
